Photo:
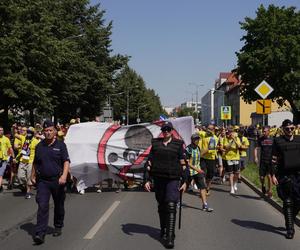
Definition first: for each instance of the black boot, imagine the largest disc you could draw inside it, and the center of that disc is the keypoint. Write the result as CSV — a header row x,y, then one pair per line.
x,y
171,219
162,220
289,218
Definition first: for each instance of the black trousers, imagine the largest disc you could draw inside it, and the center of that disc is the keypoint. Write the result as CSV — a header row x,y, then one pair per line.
x,y
45,189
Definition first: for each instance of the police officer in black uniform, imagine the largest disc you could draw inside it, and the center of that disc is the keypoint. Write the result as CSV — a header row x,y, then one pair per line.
x,y
166,166
286,156
50,170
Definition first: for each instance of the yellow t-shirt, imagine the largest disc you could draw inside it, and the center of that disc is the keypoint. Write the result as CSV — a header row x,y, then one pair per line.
x,y
244,142
233,153
202,134
209,142
18,145
5,145
32,145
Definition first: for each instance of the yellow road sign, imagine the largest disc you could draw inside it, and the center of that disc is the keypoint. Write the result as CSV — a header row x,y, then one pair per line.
x,y
225,112
263,106
263,89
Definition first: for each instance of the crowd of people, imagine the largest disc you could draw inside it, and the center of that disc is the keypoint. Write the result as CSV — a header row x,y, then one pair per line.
x,y
17,151
214,153
217,152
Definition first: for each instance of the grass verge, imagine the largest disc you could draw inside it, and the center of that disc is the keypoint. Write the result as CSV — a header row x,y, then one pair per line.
x,y
251,173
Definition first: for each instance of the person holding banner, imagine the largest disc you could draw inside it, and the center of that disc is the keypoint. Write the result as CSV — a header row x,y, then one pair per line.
x,y
166,166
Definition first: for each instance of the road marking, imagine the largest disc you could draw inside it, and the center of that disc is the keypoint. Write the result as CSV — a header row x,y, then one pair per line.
x,y
101,221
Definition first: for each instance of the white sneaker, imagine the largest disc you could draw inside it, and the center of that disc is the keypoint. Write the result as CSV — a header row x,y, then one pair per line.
x,y
232,190
235,186
224,179
99,190
81,191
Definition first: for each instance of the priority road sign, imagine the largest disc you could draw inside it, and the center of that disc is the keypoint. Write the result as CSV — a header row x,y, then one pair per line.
x,y
225,112
263,106
263,89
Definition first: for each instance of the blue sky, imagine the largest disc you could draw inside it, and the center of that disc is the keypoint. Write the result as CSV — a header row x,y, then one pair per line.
x,y
173,43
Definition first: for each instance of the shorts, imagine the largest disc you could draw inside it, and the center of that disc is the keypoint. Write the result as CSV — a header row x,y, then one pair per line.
x,y
232,166
3,165
243,163
24,173
265,169
209,167
199,180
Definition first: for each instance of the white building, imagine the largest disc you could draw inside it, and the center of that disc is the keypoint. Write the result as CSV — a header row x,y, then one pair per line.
x,y
207,107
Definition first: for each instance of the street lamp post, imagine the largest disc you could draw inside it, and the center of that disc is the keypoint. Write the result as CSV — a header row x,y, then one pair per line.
x,y
138,113
109,101
127,106
197,94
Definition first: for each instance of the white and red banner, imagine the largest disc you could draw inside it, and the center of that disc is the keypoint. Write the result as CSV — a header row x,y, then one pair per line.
x,y
100,151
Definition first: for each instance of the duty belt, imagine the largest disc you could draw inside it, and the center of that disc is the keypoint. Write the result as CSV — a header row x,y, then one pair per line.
x,y
49,178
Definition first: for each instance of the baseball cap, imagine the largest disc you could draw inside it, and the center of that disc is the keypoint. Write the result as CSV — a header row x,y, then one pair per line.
x,y
195,136
30,130
287,122
48,124
167,125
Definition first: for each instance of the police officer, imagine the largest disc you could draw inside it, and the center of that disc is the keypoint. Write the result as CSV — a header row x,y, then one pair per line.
x,y
286,151
166,164
50,170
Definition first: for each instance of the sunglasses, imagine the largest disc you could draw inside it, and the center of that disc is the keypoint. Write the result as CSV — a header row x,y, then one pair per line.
x,y
289,128
166,130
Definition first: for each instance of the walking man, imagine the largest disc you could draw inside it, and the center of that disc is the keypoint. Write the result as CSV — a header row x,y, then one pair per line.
x,y
49,172
5,152
165,166
286,151
196,173
265,143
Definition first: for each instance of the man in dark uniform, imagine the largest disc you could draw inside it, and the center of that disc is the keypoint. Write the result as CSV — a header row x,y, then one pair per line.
x,y
286,151
166,166
265,143
50,169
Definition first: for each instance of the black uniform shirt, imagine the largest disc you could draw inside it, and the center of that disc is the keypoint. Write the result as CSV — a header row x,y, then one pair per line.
x,y
180,152
265,144
292,155
49,160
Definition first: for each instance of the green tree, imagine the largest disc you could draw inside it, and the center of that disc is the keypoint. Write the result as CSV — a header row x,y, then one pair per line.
x,y
186,112
129,88
271,52
55,58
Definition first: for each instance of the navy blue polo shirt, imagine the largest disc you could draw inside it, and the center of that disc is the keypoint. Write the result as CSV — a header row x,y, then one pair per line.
x,y
49,159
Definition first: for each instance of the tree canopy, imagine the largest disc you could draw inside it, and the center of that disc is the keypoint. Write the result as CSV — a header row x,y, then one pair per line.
x,y
271,52
56,59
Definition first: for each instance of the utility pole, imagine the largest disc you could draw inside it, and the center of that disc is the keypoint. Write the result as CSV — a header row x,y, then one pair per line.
x,y
197,94
127,109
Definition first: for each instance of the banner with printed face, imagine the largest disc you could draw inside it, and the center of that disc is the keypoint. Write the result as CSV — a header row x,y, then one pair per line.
x,y
99,151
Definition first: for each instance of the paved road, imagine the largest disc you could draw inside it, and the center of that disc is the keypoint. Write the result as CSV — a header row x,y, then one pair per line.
x,y
241,222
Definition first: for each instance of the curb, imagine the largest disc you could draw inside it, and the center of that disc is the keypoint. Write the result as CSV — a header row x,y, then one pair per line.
x,y
271,201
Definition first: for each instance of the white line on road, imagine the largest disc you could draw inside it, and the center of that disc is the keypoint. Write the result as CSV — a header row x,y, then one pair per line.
x,y
101,221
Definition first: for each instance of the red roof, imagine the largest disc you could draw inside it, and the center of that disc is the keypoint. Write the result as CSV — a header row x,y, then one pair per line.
x,y
224,75
232,79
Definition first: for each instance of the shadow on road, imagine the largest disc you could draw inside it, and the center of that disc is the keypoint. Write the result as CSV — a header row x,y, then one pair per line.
x,y
187,206
248,196
131,229
30,229
259,226
219,190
